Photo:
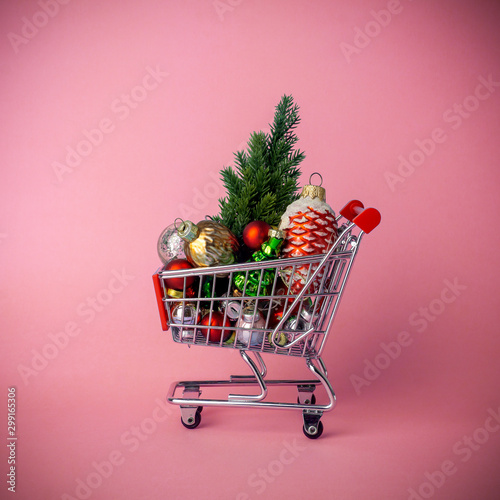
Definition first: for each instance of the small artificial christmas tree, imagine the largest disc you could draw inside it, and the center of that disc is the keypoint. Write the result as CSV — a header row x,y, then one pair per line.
x,y
265,180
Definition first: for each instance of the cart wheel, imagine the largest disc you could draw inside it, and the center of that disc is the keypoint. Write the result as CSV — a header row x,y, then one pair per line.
x,y
199,409
311,402
309,431
195,420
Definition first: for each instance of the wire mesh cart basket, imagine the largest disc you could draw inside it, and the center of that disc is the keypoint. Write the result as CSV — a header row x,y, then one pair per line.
x,y
273,319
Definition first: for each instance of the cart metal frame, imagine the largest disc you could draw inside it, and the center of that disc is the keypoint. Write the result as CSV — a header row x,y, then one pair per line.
x,y
320,296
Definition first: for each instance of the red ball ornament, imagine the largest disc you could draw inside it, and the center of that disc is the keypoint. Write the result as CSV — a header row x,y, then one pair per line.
x,y
278,310
282,289
178,283
276,314
255,234
215,334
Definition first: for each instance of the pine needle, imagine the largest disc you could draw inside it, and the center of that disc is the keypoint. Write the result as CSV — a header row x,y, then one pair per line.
x,y
265,179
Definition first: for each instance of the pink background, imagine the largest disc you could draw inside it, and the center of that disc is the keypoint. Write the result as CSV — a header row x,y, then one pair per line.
x,y
221,67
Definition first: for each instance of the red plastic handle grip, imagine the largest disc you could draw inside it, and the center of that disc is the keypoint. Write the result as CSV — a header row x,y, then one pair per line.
x,y
366,219
159,299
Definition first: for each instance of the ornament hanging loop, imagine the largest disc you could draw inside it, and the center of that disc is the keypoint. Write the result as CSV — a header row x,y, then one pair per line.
x,y
314,190
187,230
177,225
312,175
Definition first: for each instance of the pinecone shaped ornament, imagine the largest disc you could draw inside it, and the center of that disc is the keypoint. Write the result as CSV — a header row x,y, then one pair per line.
x,y
310,228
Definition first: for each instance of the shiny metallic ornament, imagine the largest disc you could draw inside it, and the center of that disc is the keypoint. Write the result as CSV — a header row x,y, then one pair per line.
x,y
175,294
270,249
248,326
184,313
208,243
296,323
233,307
306,313
255,282
170,245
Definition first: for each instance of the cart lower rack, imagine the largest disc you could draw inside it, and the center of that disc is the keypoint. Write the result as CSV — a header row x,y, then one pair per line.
x,y
282,322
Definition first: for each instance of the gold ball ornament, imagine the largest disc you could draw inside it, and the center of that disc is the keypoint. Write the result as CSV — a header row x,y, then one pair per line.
x,y
208,243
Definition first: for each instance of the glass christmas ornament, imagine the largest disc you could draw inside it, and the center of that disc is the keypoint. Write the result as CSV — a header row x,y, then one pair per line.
x,y
245,332
232,308
255,233
179,283
310,227
184,313
170,245
215,318
208,243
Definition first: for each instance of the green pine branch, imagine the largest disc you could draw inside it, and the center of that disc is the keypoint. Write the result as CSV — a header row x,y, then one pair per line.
x,y
265,179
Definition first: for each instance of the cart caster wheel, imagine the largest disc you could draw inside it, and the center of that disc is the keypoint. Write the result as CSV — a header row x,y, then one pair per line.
x,y
312,400
313,432
199,409
193,422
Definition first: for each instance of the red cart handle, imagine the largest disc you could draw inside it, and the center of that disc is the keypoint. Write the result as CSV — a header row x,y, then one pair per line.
x,y
159,299
367,219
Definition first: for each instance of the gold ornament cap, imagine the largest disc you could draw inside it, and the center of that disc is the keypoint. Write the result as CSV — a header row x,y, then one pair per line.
x,y
176,294
187,230
274,232
312,191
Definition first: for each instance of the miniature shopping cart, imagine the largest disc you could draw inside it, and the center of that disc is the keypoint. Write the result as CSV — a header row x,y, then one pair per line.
x,y
301,329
